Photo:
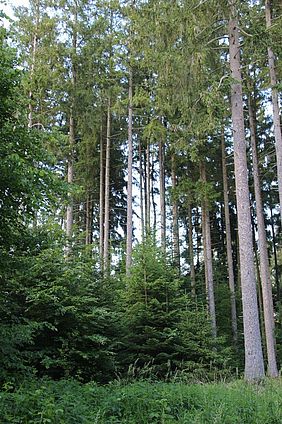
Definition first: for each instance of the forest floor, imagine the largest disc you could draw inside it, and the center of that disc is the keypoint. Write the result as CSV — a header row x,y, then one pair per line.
x,y
68,402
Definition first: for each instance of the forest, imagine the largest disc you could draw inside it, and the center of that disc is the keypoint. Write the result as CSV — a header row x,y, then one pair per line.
x,y
140,211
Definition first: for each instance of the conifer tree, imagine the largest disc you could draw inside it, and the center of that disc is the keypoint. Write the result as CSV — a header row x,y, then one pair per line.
x,y
254,366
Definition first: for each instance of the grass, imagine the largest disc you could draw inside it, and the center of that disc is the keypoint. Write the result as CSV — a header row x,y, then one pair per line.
x,y
68,402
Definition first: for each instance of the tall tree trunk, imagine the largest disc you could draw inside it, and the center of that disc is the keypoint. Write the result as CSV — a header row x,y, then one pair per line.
x,y
260,302
107,191
69,220
208,256
263,257
162,195
154,205
148,190
275,106
231,279
254,366
191,251
175,228
129,182
198,238
101,201
141,177
277,282
69,223
87,218
31,76
33,58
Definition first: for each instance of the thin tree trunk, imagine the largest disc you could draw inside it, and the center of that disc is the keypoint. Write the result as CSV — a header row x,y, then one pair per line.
x,y
208,256
198,238
254,366
32,68
87,219
231,279
69,223
277,283
191,251
275,106
162,195
129,182
148,190
154,205
69,220
260,302
91,209
175,228
107,191
141,192
264,261
101,201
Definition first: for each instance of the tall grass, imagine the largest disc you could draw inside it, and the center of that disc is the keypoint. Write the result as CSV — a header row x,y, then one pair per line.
x,y
69,402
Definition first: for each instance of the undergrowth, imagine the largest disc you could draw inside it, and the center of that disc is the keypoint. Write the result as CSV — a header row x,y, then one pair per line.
x,y
69,402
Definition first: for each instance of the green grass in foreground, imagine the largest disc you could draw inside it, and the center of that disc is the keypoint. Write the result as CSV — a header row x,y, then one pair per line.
x,y
71,403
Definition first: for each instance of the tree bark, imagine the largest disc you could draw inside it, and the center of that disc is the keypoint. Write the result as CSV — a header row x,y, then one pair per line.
x,y
88,220
141,176
275,106
148,190
254,366
277,282
154,205
101,201
191,251
198,238
32,67
162,195
129,222
175,228
69,219
263,254
231,279
107,191
208,256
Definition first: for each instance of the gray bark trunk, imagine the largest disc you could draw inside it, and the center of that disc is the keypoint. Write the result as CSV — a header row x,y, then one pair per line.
x,y
88,219
191,252
208,257
263,254
175,229
254,366
129,182
148,191
231,279
275,106
162,196
154,205
69,219
277,282
141,192
101,202
107,191
32,67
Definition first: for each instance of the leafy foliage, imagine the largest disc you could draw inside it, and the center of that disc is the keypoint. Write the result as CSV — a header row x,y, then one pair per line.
x,y
71,403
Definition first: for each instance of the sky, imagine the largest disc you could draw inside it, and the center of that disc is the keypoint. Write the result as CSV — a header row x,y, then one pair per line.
x,y
7,6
